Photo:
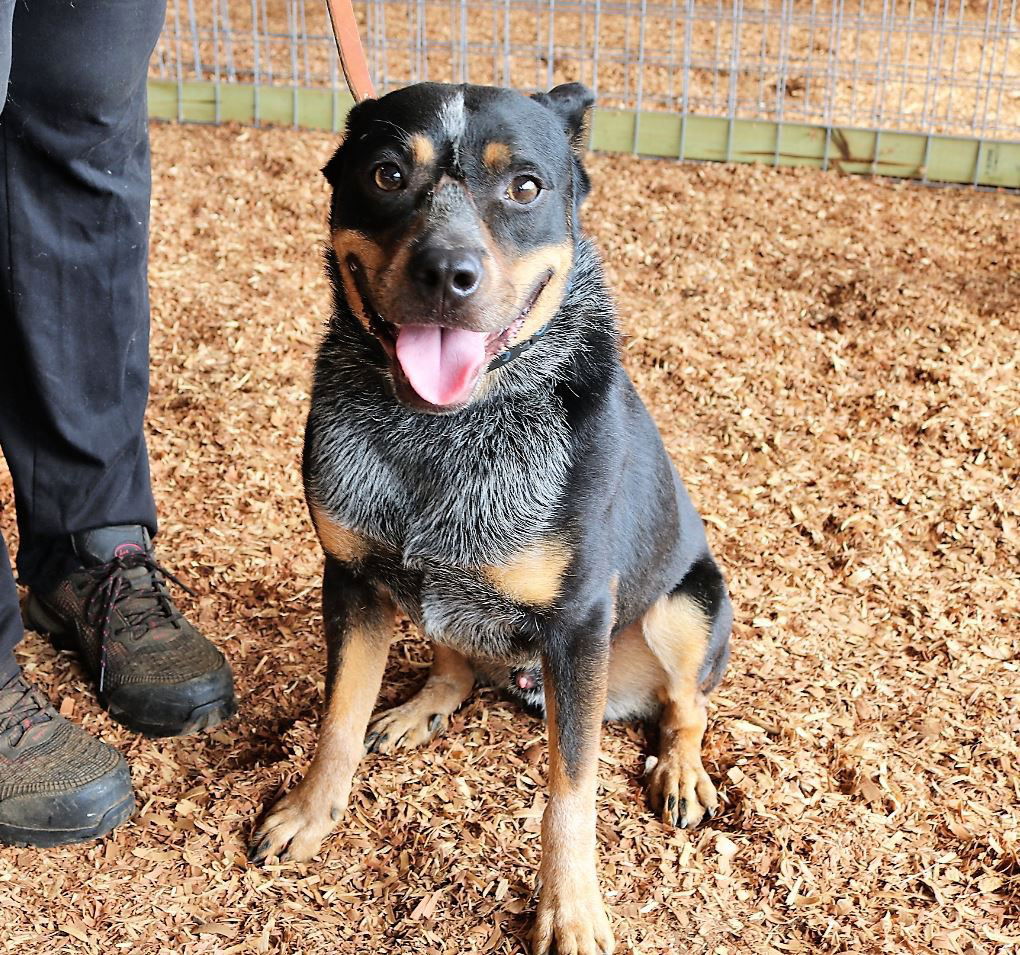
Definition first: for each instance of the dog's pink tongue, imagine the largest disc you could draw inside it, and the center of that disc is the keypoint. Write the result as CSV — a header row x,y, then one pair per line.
x,y
440,363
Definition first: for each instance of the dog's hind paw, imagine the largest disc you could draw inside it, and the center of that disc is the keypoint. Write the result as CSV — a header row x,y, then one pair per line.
x,y
680,794
294,829
404,727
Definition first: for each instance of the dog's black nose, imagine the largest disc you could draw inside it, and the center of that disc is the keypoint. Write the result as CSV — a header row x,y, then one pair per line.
x,y
454,274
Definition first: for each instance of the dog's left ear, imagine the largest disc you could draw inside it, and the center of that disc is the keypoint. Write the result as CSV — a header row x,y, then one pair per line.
x,y
571,102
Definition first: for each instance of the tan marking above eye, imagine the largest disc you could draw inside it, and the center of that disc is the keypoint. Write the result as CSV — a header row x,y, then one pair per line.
x,y
496,156
422,149
338,541
533,576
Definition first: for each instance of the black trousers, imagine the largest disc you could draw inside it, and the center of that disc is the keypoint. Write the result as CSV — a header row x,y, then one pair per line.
x,y
74,309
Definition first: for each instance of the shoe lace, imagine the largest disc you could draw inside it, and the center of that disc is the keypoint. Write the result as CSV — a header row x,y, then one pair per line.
x,y
21,706
114,588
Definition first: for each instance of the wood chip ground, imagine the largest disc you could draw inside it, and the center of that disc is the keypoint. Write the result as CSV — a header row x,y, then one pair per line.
x,y
833,364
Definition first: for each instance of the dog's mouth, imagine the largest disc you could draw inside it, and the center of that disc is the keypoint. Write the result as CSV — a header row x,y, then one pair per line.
x,y
441,364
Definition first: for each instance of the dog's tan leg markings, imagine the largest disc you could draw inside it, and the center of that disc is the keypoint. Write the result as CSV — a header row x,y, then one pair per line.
x,y
337,541
534,575
677,632
428,712
297,824
636,677
571,916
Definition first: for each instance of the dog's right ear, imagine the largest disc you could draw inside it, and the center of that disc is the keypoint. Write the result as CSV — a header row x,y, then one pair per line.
x,y
332,169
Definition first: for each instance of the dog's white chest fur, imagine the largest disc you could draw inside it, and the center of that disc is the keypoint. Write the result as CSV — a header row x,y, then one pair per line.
x,y
457,491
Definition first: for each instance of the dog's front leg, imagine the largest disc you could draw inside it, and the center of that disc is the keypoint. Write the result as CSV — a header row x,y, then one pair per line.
x,y
359,626
571,916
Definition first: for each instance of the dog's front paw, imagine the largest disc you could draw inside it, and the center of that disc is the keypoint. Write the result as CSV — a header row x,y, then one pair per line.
x,y
294,829
404,727
680,792
571,920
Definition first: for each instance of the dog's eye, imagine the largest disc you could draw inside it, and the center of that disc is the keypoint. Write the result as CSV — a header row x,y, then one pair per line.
x,y
524,189
388,177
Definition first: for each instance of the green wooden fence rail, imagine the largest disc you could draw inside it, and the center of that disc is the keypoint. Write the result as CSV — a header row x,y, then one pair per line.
x,y
931,158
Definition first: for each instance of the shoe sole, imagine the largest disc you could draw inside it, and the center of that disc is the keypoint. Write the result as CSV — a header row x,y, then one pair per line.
x,y
203,717
47,838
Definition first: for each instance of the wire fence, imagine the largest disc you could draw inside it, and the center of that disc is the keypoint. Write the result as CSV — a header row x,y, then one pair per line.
x,y
929,66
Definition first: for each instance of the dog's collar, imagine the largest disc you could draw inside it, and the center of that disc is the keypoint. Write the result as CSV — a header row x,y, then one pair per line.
x,y
515,351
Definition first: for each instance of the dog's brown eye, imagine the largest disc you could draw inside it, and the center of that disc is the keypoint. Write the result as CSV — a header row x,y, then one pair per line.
x,y
524,189
388,177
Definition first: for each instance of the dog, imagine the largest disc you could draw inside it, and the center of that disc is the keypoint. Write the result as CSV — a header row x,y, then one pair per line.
x,y
477,459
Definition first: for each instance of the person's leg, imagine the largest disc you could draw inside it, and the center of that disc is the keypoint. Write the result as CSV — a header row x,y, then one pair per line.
x,y
74,203
6,18
58,784
74,186
10,617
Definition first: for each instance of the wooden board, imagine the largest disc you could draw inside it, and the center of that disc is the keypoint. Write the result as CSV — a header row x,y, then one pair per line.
x,y
932,158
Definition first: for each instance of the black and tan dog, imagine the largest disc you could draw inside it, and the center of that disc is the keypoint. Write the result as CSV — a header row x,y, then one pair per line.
x,y
477,458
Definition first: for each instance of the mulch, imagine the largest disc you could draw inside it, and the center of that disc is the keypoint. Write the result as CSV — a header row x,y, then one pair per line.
x,y
833,364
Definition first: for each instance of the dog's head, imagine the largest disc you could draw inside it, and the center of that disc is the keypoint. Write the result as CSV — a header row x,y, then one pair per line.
x,y
453,222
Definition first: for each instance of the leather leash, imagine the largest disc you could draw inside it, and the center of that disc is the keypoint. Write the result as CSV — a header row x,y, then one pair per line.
x,y
348,46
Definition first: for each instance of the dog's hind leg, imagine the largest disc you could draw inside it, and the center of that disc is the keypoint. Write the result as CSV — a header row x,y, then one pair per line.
x,y
687,643
359,625
428,712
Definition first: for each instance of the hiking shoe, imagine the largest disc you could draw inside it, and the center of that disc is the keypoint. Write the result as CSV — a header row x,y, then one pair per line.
x,y
57,783
155,672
